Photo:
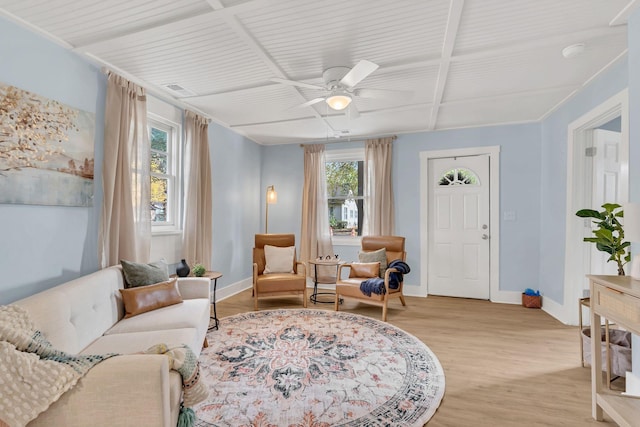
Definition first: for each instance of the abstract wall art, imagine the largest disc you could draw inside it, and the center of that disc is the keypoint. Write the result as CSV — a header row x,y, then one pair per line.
x,y
46,150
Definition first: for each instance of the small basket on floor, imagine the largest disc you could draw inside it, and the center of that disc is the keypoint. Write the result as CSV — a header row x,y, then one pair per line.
x,y
531,301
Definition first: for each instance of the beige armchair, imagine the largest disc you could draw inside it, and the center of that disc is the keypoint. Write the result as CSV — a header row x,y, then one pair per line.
x,y
281,283
350,287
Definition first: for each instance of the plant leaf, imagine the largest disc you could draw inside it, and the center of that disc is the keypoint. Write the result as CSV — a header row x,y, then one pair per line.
x,y
604,248
590,213
610,207
604,233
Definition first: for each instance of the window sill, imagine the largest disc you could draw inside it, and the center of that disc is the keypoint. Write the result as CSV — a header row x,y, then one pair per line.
x,y
165,232
346,241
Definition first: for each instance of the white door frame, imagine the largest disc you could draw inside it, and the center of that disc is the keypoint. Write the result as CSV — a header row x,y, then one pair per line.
x,y
577,137
494,216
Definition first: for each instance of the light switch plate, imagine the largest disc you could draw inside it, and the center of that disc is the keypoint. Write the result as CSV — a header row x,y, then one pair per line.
x,y
509,215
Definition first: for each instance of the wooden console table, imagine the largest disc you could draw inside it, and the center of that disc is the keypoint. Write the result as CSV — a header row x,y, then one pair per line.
x,y
616,298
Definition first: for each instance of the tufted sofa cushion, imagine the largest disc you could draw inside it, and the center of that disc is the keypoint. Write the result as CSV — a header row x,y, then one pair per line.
x,y
70,326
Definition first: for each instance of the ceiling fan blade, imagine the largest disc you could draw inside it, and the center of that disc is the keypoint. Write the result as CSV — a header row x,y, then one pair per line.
x,y
358,73
307,104
398,95
295,83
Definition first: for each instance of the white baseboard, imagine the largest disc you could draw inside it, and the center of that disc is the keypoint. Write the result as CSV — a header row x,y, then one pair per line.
x,y
556,310
507,297
413,291
233,289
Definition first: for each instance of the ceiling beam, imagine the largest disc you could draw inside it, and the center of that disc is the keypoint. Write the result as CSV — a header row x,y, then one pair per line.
x,y
241,31
35,29
622,17
577,90
191,18
451,32
560,39
336,115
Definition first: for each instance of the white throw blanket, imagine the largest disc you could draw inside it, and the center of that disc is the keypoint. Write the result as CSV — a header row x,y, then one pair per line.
x,y
33,374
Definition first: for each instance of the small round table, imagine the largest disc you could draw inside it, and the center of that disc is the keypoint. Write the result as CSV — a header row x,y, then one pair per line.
x,y
323,279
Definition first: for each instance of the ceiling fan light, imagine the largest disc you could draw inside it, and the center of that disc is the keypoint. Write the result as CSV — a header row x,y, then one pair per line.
x,y
339,101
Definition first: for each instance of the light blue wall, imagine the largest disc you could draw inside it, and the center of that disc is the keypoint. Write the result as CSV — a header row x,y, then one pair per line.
x,y
519,188
613,125
236,174
42,246
283,167
633,36
554,175
634,106
519,192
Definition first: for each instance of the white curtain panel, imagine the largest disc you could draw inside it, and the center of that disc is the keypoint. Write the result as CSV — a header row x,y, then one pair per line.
x,y
197,234
315,237
125,225
379,215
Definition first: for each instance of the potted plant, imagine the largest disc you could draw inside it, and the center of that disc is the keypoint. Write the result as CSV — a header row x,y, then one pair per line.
x,y
609,236
198,270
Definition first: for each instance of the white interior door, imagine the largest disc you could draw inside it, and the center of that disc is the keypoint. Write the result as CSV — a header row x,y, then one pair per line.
x,y
458,227
606,188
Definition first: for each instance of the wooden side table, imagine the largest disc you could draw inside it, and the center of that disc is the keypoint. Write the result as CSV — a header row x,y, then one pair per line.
x,y
213,276
322,279
582,302
616,298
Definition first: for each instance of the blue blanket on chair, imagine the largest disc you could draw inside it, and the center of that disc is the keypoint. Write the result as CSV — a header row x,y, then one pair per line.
x,y
375,285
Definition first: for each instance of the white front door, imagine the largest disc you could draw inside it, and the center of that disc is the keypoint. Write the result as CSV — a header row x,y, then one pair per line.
x,y
606,189
458,229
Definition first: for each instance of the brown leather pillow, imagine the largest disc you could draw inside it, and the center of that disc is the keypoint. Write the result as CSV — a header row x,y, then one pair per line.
x,y
364,269
146,298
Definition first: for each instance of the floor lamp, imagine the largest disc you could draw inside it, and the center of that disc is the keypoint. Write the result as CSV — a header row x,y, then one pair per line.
x,y
272,198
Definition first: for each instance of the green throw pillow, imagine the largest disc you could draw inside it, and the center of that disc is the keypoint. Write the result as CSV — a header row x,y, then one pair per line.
x,y
137,274
375,256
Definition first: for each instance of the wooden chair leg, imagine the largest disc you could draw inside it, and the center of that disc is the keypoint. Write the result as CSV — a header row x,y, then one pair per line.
x,y
205,344
384,312
255,303
337,303
304,297
402,300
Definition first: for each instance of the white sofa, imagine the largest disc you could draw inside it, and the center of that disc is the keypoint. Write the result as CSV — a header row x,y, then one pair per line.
x,y
85,316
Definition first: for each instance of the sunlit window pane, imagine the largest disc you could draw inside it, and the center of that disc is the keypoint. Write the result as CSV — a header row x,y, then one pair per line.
x,y
345,197
158,162
159,194
159,139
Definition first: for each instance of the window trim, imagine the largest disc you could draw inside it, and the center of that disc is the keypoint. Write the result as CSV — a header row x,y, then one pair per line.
x,y
344,155
174,175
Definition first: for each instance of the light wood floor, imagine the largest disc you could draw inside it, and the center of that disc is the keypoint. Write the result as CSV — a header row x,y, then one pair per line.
x,y
505,365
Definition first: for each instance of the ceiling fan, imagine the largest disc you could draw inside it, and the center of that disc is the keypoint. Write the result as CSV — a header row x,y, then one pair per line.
x,y
339,85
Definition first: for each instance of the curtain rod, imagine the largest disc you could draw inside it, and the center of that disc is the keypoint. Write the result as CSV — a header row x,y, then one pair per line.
x,y
155,92
348,140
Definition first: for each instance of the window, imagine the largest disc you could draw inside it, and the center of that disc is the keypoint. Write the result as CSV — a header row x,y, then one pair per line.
x,y
164,201
458,177
345,194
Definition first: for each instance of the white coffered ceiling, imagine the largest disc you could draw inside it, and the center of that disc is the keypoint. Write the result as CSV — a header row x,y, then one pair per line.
x,y
467,63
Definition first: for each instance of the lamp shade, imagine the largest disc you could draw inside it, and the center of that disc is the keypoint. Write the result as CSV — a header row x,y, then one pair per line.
x,y
339,100
272,196
632,222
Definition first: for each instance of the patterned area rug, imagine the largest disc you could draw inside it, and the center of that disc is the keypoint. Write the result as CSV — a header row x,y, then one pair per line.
x,y
316,368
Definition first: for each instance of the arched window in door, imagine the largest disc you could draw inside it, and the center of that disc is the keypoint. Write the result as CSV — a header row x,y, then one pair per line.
x,y
459,177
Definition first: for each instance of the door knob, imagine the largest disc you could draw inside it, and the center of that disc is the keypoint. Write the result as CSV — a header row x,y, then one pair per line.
x,y
485,237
